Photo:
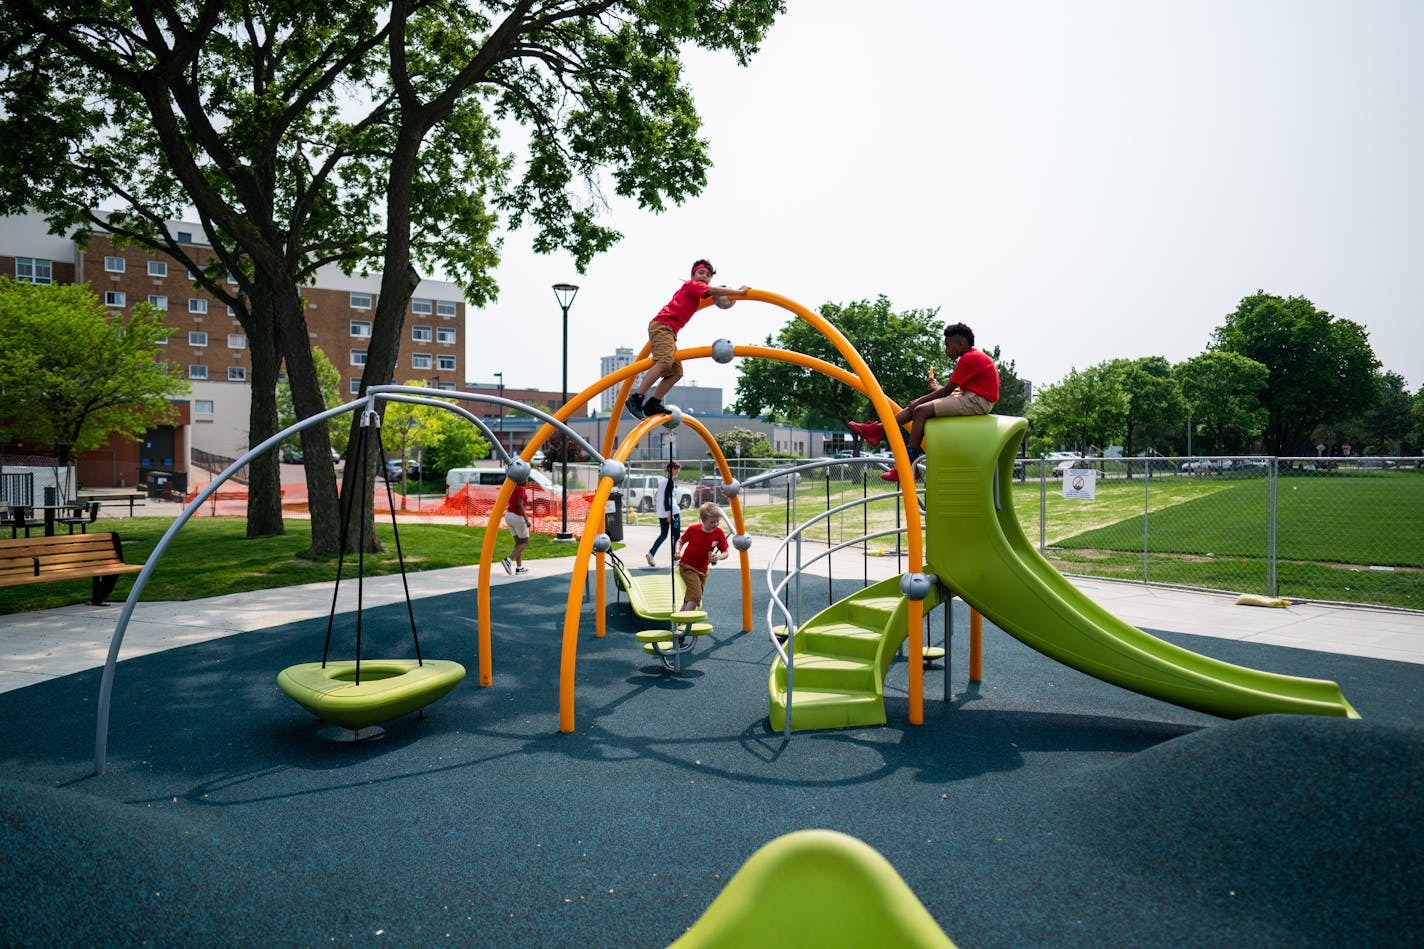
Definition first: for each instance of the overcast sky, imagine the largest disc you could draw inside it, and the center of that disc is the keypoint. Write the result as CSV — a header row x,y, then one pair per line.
x,y
1078,181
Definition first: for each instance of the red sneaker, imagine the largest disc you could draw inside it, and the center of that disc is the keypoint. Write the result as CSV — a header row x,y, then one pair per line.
x,y
891,475
872,432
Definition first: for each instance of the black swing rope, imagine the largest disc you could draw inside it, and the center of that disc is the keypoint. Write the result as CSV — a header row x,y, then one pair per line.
x,y
364,491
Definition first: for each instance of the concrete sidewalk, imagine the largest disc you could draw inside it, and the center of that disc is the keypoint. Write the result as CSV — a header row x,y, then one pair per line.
x,y
35,647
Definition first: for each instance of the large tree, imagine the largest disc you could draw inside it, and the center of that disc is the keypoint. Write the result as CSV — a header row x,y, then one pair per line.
x,y
1223,397
72,373
1155,408
306,134
1386,424
1321,367
900,348
1086,409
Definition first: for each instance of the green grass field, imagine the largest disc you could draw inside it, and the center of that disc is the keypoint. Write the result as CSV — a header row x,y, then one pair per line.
x,y
1335,533
212,556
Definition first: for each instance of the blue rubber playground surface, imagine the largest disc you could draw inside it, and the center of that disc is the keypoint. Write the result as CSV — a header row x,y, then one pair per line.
x,y
1041,807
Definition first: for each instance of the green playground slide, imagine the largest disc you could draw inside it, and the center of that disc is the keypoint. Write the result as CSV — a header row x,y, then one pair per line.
x,y
977,547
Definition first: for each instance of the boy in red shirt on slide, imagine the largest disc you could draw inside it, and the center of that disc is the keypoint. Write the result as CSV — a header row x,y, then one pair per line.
x,y
972,389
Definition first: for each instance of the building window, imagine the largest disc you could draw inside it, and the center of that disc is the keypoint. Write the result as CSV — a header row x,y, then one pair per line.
x,y
236,373
231,312
421,334
444,308
196,305
236,341
157,268
157,302
361,329
358,357
445,363
115,298
447,386
420,307
197,338
232,280
197,372
420,361
185,237
360,301
355,386
114,264
445,334
202,406
33,270
162,340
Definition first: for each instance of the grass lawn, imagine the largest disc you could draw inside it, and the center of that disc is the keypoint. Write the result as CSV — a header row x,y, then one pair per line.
x,y
213,555
1334,534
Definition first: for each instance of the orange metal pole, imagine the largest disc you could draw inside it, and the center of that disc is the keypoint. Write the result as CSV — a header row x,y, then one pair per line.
x,y
976,646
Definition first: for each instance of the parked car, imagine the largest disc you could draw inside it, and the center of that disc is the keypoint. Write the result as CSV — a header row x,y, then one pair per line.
x,y
482,486
640,493
295,456
1207,465
393,470
1367,464
1064,464
709,488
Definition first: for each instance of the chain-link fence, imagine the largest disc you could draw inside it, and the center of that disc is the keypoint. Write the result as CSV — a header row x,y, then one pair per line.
x,y
1348,530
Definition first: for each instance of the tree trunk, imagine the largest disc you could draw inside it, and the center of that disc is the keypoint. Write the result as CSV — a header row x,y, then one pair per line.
x,y
264,487
294,343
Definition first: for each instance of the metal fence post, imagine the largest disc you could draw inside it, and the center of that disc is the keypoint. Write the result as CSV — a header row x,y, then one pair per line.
x,y
1272,469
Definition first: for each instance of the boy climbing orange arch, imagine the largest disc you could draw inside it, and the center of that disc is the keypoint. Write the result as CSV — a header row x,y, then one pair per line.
x,y
662,334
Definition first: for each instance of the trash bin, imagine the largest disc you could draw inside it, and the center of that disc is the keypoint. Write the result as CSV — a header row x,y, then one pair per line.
x,y
613,516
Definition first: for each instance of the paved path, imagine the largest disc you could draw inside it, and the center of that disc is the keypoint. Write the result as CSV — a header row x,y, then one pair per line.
x,y
35,647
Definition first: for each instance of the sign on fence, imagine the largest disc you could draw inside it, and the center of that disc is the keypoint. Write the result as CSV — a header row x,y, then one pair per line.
x,y
1080,483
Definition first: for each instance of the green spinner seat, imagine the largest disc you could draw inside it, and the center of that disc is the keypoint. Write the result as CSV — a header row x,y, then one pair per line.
x,y
387,688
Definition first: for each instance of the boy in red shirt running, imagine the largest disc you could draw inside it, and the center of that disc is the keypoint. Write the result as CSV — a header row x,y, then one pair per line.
x,y
702,545
972,389
662,333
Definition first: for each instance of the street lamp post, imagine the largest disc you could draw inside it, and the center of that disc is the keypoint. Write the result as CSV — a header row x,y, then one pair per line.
x,y
500,377
565,293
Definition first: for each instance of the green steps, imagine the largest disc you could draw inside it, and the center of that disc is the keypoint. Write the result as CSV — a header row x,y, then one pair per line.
x,y
840,659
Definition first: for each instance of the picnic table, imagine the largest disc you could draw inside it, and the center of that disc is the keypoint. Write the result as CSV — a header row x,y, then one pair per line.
x,y
116,496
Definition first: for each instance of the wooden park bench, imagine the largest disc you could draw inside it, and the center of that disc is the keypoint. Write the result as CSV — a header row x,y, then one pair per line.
x,y
99,556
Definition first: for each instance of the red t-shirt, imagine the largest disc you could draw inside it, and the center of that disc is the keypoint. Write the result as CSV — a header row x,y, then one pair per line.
x,y
699,546
683,304
975,372
519,501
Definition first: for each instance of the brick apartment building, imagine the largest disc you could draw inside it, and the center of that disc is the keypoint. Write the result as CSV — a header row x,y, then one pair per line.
x,y
208,345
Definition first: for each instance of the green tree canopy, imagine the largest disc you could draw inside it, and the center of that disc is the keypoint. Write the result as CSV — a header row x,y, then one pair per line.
x,y
1222,392
1321,368
900,348
72,373
1155,407
366,134
742,442
1086,409
1385,425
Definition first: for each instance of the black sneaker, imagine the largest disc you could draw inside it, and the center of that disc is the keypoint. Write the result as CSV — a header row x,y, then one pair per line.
x,y
653,406
635,405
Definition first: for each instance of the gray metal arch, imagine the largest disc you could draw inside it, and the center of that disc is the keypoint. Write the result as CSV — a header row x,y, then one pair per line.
x,y
416,395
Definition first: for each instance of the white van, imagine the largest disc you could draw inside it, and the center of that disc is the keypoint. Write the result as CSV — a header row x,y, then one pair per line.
x,y
640,493
543,494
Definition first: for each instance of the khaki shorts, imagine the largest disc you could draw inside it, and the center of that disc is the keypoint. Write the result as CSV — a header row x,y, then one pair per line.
x,y
664,341
695,583
962,402
518,526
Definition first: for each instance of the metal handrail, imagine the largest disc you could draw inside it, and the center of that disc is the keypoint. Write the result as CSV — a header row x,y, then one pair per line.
x,y
775,589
